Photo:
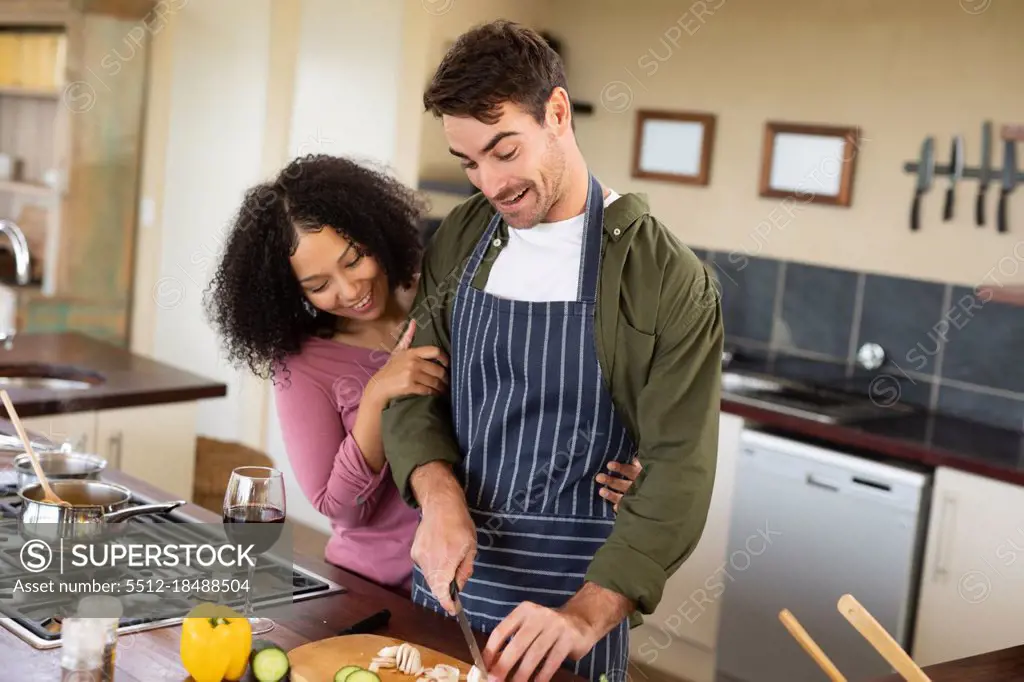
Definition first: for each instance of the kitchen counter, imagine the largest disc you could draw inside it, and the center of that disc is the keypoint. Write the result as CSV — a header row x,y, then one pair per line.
x,y
128,380
153,656
926,438
1003,665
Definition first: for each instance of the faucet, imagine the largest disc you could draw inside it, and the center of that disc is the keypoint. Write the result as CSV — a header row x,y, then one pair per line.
x,y
23,262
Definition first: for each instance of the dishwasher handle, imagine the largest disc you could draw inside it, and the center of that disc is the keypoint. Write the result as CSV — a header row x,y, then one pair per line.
x,y
947,512
813,480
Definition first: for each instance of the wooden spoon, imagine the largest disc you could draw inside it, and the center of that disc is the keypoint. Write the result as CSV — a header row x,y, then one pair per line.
x,y
810,646
883,642
48,494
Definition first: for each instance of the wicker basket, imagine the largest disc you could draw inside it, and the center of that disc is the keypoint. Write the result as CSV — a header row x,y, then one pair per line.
x,y
215,460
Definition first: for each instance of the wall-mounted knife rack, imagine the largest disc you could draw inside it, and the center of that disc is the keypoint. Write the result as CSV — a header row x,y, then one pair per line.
x,y
995,175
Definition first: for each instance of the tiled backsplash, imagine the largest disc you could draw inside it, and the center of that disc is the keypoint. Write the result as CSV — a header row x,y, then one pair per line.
x,y
952,348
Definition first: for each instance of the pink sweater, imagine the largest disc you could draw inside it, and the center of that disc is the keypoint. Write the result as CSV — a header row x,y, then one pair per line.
x,y
317,396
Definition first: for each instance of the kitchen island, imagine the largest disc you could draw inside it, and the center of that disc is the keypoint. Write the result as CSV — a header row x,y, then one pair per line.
x,y
152,656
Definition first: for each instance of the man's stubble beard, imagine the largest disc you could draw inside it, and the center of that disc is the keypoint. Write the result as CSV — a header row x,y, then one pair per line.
x,y
552,175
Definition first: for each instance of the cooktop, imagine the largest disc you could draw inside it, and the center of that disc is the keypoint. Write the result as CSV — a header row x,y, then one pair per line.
x,y
37,619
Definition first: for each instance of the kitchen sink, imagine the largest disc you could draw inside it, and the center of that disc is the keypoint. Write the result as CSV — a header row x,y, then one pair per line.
x,y
48,377
803,400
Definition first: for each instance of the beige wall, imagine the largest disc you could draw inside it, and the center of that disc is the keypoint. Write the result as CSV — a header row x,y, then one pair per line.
x,y
445,20
899,70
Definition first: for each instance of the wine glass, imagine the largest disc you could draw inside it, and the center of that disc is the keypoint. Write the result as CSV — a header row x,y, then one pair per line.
x,y
254,495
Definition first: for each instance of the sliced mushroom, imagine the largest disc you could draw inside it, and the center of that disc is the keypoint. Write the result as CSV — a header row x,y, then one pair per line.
x,y
408,659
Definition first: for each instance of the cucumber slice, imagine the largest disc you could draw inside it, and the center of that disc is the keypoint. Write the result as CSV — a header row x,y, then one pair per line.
x,y
268,661
342,674
362,676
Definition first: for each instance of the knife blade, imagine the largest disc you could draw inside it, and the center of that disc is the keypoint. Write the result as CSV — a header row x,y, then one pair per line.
x,y
369,624
1009,180
956,172
925,173
984,172
467,631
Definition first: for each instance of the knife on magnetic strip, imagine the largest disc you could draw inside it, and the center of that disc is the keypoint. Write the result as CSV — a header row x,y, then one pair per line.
x,y
925,173
956,172
984,172
1009,180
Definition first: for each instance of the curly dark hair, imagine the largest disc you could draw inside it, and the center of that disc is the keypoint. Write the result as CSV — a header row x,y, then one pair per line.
x,y
254,299
493,63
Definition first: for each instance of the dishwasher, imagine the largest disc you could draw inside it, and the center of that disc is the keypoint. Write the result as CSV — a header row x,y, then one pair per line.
x,y
809,525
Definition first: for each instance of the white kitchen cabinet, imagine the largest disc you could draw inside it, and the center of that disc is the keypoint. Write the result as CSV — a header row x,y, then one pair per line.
x,y
76,428
972,581
678,640
155,443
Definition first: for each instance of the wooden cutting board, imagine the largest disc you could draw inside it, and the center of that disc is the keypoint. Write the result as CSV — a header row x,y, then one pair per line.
x,y
318,661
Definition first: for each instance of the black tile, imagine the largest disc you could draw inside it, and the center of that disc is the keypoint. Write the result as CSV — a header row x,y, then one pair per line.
x,y
996,410
817,310
701,253
748,294
985,341
901,316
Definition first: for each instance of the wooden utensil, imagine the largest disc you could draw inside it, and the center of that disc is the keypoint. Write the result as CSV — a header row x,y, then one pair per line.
x,y
883,642
810,646
318,661
48,494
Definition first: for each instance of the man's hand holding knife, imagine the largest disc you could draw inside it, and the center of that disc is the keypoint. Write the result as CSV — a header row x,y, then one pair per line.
x,y
533,641
445,544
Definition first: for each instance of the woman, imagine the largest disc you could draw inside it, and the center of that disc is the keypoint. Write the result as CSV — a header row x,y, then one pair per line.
x,y
313,289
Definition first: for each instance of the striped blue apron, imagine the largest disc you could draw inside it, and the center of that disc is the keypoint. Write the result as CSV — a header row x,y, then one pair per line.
x,y
535,424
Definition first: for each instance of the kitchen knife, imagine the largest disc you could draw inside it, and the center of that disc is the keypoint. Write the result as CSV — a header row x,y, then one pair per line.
x,y
984,172
1009,180
956,172
467,632
925,173
377,620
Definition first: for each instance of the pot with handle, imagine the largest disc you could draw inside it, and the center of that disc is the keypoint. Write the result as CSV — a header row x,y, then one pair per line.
x,y
95,507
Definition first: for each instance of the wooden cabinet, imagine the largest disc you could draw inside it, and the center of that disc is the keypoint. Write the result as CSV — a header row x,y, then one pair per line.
x,y
678,639
156,443
76,428
972,580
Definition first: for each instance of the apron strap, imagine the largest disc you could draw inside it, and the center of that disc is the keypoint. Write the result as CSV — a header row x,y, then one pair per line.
x,y
590,258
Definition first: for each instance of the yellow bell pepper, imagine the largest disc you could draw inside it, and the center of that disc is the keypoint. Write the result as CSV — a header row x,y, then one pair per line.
x,y
215,643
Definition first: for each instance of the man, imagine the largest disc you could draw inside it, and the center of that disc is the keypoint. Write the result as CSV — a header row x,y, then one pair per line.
x,y
580,332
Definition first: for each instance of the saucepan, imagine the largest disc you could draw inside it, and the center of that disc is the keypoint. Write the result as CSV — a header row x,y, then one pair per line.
x,y
57,466
96,507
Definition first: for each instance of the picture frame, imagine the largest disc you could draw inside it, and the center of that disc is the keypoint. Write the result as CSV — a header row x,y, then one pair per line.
x,y
673,146
810,162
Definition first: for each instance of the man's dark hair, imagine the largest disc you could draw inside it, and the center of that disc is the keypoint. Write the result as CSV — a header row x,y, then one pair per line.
x,y
491,64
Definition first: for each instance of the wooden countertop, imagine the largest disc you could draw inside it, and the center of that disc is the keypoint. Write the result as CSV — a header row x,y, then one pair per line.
x,y
128,380
1002,666
153,656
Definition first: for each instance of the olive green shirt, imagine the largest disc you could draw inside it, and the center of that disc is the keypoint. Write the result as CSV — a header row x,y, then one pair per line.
x,y
659,342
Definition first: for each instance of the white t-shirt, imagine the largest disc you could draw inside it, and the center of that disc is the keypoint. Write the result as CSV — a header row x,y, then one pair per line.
x,y
541,263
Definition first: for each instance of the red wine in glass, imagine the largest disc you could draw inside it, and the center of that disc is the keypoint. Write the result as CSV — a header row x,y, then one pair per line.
x,y
254,514
250,524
